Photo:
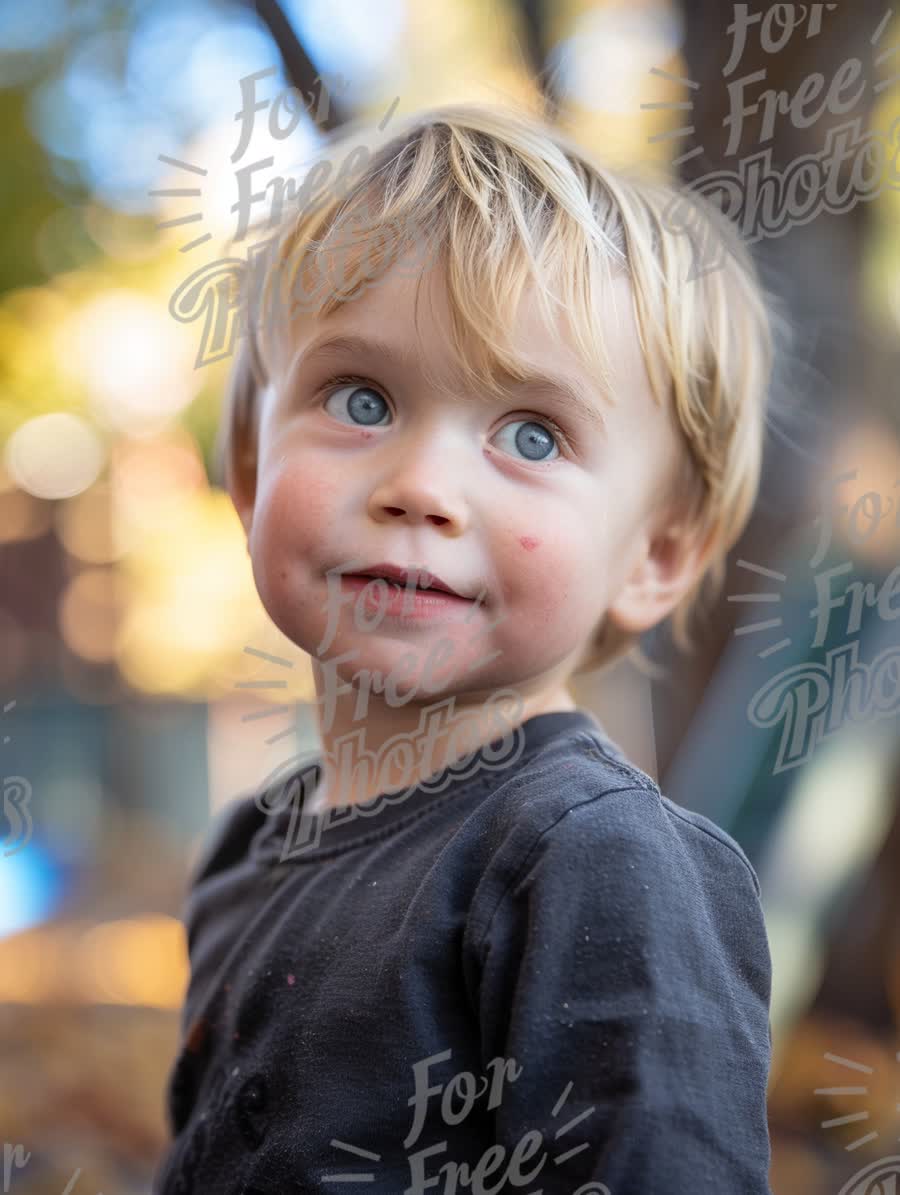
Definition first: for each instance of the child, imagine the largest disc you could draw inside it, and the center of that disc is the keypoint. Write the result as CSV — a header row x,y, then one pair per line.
x,y
469,946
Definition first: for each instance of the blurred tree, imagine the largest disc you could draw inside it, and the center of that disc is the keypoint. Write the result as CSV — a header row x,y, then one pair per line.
x,y
29,194
815,270
299,68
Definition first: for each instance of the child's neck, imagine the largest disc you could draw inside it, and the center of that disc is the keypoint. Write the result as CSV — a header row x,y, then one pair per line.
x,y
437,734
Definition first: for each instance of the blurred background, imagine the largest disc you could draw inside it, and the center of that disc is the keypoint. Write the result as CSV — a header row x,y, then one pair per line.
x,y
142,686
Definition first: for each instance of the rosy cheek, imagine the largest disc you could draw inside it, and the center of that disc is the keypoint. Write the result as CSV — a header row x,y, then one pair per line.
x,y
291,520
529,543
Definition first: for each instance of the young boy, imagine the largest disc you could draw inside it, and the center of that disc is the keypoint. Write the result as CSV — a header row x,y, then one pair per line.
x,y
469,946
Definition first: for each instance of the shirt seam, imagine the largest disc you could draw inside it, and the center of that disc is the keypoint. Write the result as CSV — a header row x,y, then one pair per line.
x,y
669,807
642,779
639,779
745,863
522,867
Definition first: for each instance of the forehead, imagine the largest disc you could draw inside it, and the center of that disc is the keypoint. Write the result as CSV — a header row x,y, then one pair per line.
x,y
404,319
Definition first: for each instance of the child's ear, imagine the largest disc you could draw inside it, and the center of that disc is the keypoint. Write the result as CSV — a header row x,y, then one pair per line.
x,y
670,563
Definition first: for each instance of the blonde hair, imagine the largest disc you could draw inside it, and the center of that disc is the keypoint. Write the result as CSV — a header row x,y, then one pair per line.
x,y
505,198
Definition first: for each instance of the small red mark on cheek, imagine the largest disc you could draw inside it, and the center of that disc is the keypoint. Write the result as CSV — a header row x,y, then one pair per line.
x,y
529,543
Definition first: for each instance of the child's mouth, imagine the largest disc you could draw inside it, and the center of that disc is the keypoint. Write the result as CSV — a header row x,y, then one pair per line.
x,y
395,599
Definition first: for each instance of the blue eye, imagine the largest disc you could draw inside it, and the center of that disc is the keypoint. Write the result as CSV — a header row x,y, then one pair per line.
x,y
365,406
533,440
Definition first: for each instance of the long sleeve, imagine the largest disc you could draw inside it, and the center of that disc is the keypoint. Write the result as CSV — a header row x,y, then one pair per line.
x,y
625,981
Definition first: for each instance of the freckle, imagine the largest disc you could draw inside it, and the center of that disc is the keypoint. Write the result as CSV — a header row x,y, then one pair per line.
x,y
529,543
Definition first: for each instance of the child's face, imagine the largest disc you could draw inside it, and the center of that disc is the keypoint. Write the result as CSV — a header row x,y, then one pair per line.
x,y
483,494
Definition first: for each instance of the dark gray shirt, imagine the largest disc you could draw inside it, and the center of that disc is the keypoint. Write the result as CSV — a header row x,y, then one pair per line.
x,y
542,976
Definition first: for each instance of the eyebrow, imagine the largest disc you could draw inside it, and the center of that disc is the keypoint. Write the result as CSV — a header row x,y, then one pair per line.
x,y
535,382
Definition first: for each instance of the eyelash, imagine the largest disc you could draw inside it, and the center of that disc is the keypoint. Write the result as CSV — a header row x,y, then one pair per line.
x,y
334,384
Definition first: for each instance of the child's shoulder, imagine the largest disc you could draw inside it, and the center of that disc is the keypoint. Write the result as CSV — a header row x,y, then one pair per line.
x,y
581,788
227,839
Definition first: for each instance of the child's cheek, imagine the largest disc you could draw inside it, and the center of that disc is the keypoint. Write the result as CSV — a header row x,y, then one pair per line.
x,y
554,583
536,581
298,510
289,542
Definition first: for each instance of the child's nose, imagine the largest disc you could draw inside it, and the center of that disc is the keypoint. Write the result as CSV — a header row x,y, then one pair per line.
x,y
421,492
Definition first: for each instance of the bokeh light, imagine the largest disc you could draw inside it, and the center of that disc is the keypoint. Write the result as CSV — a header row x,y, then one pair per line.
x,y
55,456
